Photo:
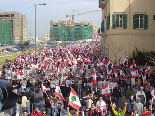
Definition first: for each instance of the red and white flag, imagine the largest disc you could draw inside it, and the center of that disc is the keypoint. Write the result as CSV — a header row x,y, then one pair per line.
x,y
108,62
134,73
147,69
144,80
122,73
126,58
153,94
74,99
109,71
43,88
133,64
58,92
105,89
120,62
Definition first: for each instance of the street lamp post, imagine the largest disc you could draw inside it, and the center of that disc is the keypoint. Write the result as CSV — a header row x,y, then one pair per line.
x,y
36,24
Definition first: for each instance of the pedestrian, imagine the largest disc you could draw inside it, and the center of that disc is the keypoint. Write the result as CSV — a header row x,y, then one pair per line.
x,y
58,110
36,112
142,95
116,93
38,100
138,106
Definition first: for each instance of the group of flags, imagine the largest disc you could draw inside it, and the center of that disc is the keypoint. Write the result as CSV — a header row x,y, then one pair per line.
x,y
74,100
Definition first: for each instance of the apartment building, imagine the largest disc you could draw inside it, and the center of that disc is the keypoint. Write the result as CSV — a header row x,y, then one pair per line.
x,y
126,25
46,37
71,31
13,27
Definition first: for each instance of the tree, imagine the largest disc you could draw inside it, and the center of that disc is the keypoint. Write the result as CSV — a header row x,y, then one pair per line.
x,y
143,57
26,43
115,49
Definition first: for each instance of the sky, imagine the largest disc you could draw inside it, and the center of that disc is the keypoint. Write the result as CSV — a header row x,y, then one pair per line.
x,y
55,10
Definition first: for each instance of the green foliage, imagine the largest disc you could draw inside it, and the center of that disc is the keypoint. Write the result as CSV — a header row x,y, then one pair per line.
x,y
143,57
26,44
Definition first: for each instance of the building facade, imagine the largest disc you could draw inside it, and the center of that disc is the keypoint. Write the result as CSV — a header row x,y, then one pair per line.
x,y
32,40
46,37
69,31
126,25
13,26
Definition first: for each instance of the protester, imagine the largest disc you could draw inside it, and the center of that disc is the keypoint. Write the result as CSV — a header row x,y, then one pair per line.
x,y
119,111
36,112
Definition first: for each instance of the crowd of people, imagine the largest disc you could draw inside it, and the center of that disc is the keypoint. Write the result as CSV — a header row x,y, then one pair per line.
x,y
103,87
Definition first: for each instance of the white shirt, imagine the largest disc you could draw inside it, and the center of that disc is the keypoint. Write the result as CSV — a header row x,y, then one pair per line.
x,y
102,104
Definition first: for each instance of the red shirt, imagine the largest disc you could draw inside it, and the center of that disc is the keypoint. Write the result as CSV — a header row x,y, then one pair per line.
x,y
34,113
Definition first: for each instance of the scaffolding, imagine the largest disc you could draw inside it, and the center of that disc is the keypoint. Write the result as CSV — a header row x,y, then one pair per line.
x,y
64,31
5,31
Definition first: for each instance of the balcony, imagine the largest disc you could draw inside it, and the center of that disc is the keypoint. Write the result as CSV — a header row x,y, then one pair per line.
x,y
102,3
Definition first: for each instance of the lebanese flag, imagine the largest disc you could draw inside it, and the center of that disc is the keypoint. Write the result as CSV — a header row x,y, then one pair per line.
x,y
74,99
108,63
133,64
58,92
87,60
153,94
122,73
109,72
43,88
144,80
79,59
134,73
147,70
105,90
120,62
126,58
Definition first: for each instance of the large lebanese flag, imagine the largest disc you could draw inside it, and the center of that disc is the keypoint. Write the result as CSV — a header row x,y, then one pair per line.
x,y
105,90
74,99
58,92
122,73
134,73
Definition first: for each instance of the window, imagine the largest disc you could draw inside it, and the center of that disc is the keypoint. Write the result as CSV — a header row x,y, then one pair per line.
x,y
153,17
140,21
102,26
119,21
107,22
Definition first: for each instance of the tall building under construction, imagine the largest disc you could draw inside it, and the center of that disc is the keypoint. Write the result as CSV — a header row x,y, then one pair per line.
x,y
13,27
69,31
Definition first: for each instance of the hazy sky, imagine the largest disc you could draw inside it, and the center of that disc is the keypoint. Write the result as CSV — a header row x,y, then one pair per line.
x,y
55,10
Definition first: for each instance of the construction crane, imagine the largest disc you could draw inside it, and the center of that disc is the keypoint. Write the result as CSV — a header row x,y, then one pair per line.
x,y
80,14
